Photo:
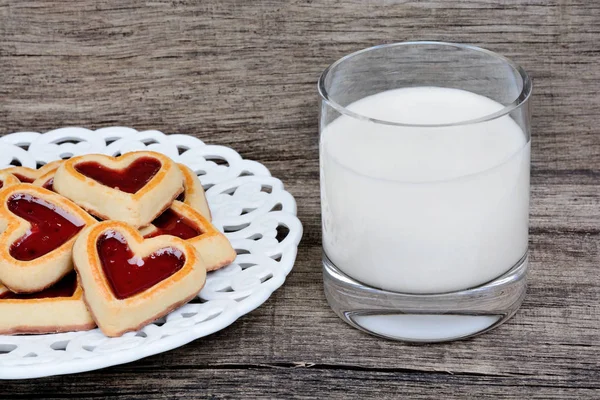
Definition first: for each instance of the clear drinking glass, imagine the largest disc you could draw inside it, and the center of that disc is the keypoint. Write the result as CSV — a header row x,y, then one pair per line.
x,y
425,157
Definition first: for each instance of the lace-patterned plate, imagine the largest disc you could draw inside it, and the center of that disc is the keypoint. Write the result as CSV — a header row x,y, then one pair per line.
x,y
250,206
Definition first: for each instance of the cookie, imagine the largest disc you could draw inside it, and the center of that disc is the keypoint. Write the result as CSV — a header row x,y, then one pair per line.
x,y
7,179
28,175
193,194
183,221
134,188
38,229
129,281
59,308
46,181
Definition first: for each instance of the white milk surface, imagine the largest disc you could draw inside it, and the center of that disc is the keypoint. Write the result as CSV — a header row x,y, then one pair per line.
x,y
424,210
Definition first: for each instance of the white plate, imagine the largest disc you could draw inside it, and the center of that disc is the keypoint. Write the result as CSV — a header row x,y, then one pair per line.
x,y
247,204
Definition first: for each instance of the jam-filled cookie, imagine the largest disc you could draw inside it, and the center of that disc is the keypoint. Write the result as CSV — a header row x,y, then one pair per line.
x,y
129,281
28,175
46,181
60,308
183,221
38,229
7,179
193,194
134,188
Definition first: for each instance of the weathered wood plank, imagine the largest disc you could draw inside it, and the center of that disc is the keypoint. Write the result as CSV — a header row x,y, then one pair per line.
x,y
319,381
243,74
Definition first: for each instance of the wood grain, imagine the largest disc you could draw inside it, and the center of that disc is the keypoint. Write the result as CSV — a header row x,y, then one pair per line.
x,y
243,74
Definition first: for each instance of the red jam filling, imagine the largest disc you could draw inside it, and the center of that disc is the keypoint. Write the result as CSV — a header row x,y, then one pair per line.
x,y
1,184
64,288
129,180
171,223
48,184
129,274
50,228
23,178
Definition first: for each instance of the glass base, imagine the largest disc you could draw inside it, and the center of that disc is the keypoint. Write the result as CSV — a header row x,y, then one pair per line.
x,y
425,318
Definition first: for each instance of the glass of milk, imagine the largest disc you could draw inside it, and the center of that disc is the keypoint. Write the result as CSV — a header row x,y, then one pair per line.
x,y
424,156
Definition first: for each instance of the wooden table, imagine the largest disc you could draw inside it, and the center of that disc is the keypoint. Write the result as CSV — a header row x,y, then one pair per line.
x,y
243,74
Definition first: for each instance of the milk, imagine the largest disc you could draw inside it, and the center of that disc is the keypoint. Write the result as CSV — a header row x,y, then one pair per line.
x,y
421,209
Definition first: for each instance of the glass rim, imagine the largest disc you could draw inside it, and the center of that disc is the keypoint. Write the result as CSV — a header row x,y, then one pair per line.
x,y
518,102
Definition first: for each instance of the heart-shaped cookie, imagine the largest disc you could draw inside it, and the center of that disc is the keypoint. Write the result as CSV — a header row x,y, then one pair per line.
x,y
28,175
183,221
129,281
38,229
193,194
7,179
46,181
60,308
134,188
